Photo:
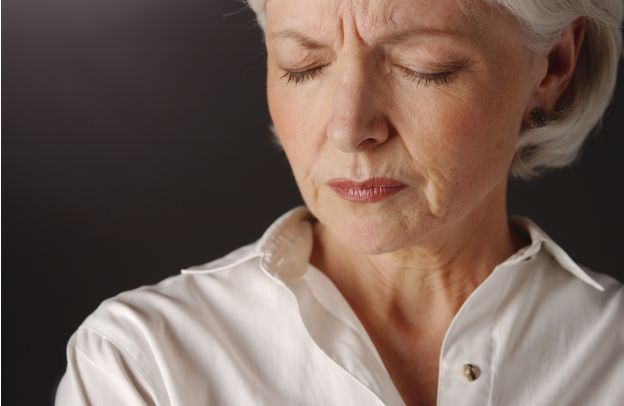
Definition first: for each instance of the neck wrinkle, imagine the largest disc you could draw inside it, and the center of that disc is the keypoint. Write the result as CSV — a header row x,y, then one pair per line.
x,y
410,297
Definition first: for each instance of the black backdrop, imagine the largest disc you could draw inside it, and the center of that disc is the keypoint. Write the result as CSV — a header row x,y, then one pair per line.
x,y
135,143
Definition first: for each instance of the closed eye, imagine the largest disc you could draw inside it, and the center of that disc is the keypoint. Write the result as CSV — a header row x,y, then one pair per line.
x,y
424,79
297,77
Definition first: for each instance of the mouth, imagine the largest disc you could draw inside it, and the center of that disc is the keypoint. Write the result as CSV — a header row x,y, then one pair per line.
x,y
368,191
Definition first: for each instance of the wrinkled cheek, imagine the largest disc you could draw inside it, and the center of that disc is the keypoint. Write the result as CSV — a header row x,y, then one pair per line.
x,y
454,146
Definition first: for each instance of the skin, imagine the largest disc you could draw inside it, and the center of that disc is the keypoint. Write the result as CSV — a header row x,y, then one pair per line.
x,y
406,264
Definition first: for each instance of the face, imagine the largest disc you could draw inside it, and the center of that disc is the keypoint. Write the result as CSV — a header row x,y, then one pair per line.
x,y
414,90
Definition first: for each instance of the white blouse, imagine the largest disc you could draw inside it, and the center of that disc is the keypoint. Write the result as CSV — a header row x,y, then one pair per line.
x,y
262,326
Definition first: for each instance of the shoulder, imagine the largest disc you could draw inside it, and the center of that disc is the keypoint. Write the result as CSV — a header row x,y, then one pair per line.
x,y
128,337
550,299
612,285
607,304
226,284
565,325
586,298
581,312
572,288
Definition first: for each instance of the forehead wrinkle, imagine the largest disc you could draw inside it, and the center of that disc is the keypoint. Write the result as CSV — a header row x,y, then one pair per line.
x,y
383,14
374,14
379,19
382,19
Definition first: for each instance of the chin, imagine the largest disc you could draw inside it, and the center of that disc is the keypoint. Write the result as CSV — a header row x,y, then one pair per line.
x,y
368,235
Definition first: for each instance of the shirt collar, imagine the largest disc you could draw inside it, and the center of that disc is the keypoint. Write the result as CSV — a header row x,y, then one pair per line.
x,y
285,248
540,239
286,245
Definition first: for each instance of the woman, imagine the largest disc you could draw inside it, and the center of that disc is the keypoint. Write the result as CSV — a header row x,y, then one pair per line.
x,y
402,280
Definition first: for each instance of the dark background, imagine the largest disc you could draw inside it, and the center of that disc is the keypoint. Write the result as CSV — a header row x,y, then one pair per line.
x,y
135,143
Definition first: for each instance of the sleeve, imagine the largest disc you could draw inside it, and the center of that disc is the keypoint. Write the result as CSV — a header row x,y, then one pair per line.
x,y
99,372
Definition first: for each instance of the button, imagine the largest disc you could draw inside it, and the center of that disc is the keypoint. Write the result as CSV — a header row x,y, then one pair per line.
x,y
471,372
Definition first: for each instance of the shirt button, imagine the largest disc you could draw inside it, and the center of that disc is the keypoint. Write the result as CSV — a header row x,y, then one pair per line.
x,y
471,372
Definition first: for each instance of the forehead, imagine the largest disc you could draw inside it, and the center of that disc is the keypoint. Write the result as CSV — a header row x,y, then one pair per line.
x,y
371,17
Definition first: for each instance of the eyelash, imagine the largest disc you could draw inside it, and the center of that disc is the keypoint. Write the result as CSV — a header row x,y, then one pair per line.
x,y
301,76
424,79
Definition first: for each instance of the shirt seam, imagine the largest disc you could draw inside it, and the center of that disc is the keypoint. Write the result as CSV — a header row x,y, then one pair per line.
x,y
104,370
122,350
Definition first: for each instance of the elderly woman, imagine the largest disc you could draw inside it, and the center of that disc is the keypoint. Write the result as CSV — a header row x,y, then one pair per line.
x,y
402,280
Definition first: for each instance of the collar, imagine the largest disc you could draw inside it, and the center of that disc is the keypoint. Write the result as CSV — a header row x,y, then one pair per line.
x,y
285,248
540,239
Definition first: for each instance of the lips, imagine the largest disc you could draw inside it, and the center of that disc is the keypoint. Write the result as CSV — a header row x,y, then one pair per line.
x,y
370,190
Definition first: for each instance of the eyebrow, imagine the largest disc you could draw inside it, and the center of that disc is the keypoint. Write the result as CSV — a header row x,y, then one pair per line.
x,y
392,38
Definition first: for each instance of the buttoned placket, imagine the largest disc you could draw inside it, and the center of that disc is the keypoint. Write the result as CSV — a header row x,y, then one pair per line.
x,y
469,347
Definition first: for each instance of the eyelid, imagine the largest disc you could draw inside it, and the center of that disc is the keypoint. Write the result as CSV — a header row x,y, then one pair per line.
x,y
441,72
440,76
299,76
444,65
421,78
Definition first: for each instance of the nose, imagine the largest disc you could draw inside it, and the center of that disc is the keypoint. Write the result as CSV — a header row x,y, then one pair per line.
x,y
357,121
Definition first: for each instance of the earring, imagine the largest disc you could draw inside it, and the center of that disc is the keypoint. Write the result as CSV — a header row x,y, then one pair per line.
x,y
537,118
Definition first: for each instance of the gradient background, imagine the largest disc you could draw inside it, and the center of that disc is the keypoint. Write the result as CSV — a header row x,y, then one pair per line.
x,y
135,143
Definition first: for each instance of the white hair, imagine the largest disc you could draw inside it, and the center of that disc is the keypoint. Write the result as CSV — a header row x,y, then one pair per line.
x,y
581,107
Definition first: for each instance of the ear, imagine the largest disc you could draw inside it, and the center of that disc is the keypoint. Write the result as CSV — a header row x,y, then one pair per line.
x,y
560,62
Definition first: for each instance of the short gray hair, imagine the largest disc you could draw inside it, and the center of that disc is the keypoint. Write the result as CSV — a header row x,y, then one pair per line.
x,y
582,105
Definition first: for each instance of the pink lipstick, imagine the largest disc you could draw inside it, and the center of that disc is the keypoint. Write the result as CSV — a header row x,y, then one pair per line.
x,y
371,190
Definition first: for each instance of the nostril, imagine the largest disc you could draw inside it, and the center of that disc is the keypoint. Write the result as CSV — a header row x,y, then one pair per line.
x,y
369,141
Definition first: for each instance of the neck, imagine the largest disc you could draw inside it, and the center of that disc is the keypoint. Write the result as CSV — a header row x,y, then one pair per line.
x,y
419,287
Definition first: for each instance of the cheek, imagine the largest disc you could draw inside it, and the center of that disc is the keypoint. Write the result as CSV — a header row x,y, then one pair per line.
x,y
475,140
460,145
284,115
289,119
